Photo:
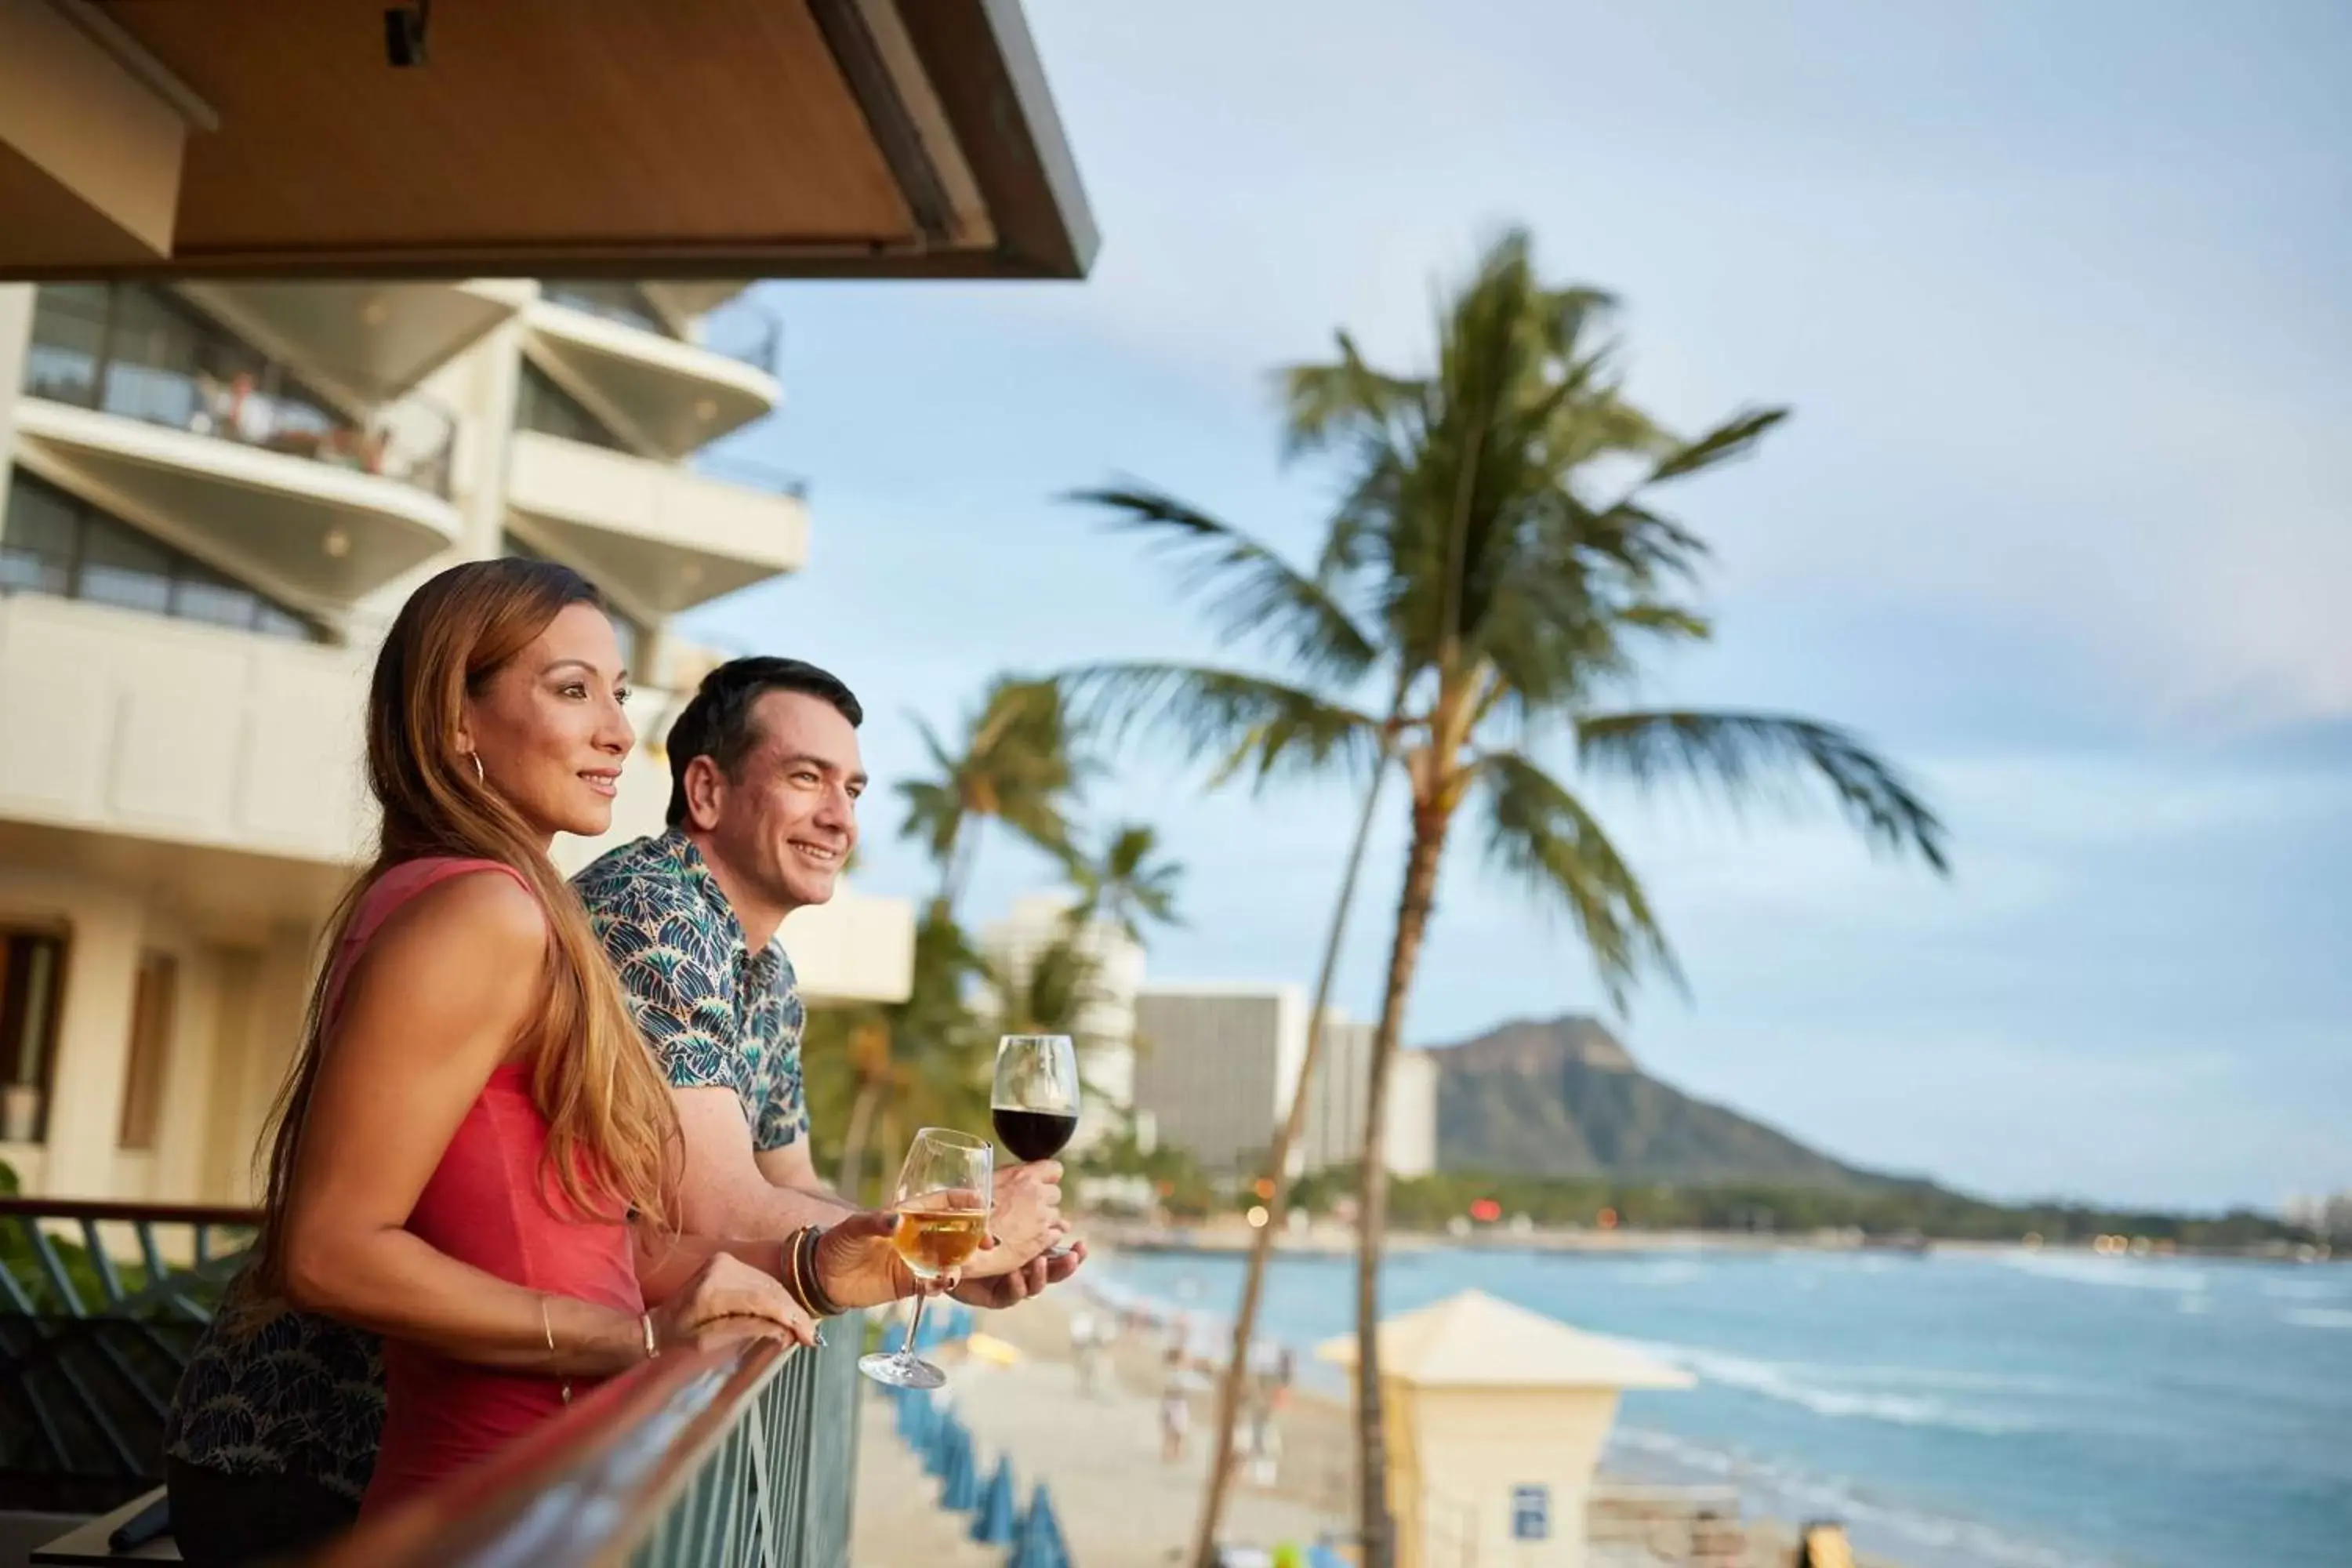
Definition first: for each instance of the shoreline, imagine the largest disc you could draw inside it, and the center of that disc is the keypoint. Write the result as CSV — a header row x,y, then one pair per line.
x,y
1231,1238
1315,1477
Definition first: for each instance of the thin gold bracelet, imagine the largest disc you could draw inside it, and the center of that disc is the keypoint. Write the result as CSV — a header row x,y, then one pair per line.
x,y
653,1346
546,1327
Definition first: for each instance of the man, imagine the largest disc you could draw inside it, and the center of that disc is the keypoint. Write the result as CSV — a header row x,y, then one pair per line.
x,y
765,777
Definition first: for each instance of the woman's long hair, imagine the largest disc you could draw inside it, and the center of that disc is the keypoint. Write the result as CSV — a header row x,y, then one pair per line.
x,y
612,1137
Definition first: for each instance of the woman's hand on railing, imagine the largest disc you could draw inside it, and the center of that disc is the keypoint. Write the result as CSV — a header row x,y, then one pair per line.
x,y
728,1301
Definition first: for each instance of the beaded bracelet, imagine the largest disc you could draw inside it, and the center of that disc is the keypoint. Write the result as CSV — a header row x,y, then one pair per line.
x,y
820,1300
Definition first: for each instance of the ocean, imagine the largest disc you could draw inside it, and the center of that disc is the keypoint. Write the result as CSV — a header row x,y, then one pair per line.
x,y
1958,1410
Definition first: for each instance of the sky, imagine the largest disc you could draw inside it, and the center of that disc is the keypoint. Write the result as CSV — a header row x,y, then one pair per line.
x,y
2062,522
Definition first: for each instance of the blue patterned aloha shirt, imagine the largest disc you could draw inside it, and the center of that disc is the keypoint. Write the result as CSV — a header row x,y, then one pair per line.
x,y
303,1395
716,1014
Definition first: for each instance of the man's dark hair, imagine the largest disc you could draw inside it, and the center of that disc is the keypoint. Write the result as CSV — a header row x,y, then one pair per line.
x,y
718,722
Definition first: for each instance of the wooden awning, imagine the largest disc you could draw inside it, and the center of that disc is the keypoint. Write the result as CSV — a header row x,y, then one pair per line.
x,y
664,138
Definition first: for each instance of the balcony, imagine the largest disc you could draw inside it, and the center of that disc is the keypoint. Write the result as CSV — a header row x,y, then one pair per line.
x,y
619,353
377,340
144,732
138,403
733,1457
676,538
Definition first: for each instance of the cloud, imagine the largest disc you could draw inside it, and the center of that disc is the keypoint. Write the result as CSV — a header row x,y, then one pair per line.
x,y
1981,259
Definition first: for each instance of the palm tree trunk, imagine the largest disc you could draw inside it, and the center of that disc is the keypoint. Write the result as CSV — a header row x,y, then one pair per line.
x,y
1229,1393
1375,1524
851,1183
961,856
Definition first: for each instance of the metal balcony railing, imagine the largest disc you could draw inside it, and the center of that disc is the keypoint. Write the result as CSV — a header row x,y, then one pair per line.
x,y
134,350
100,1306
741,1456
730,468
741,329
747,332
718,1459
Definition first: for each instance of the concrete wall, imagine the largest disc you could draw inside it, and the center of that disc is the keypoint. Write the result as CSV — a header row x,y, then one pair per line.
x,y
115,721
1461,1454
237,1011
16,333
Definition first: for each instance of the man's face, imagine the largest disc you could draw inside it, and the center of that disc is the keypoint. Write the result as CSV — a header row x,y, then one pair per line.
x,y
788,819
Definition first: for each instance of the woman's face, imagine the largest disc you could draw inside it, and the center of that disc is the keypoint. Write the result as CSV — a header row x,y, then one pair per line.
x,y
549,729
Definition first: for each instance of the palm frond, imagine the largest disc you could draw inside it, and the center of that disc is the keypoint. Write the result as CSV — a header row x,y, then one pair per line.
x,y
1345,400
1249,589
1246,720
1744,754
933,815
1670,622
1732,439
1541,833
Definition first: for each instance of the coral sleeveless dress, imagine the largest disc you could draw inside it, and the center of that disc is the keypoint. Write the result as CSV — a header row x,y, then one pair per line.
x,y
486,1204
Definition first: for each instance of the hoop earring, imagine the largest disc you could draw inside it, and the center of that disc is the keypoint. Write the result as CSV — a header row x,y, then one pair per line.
x,y
480,777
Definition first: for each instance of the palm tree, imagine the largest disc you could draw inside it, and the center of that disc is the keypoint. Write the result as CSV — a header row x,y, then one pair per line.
x,y
1125,885
1018,764
1474,573
921,1056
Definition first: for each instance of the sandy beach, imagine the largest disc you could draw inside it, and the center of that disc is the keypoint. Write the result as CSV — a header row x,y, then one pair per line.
x,y
1120,1506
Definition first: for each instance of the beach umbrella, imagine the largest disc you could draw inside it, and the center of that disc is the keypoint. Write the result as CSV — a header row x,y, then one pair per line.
x,y
961,1492
915,1417
1040,1544
939,1443
993,1525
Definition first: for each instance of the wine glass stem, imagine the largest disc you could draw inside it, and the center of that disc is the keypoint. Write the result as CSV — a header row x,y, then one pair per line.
x,y
914,1329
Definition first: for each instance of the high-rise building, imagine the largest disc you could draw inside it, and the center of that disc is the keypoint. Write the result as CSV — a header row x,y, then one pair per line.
x,y
1104,1021
1217,1065
1334,1130
216,495
2327,1217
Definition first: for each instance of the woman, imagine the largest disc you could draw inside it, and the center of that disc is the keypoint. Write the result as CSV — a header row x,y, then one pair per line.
x,y
474,1156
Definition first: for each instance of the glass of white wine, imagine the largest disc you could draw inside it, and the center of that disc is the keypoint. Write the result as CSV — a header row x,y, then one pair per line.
x,y
942,1203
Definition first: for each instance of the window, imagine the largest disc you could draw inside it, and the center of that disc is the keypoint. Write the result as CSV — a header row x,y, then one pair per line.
x,y
629,632
543,406
153,1006
53,542
32,980
137,350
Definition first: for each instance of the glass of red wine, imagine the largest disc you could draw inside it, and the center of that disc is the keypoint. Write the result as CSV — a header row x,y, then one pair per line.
x,y
1035,1102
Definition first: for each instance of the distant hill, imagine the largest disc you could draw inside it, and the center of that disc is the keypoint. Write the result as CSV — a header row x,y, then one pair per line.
x,y
1567,1099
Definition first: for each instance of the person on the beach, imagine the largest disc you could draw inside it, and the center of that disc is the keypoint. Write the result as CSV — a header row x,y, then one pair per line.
x,y
1082,1349
1175,1406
